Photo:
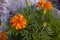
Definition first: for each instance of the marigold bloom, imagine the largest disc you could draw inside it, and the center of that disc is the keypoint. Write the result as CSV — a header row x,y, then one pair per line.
x,y
40,3
18,21
3,36
41,0
46,5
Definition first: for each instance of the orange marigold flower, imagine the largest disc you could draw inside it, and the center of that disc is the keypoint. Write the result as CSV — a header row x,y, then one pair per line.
x,y
40,3
18,21
41,0
3,36
46,5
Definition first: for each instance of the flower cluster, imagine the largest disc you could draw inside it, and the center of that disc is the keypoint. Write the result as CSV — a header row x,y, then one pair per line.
x,y
18,21
46,5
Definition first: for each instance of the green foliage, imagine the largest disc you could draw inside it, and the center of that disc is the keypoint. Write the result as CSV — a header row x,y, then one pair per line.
x,y
35,29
